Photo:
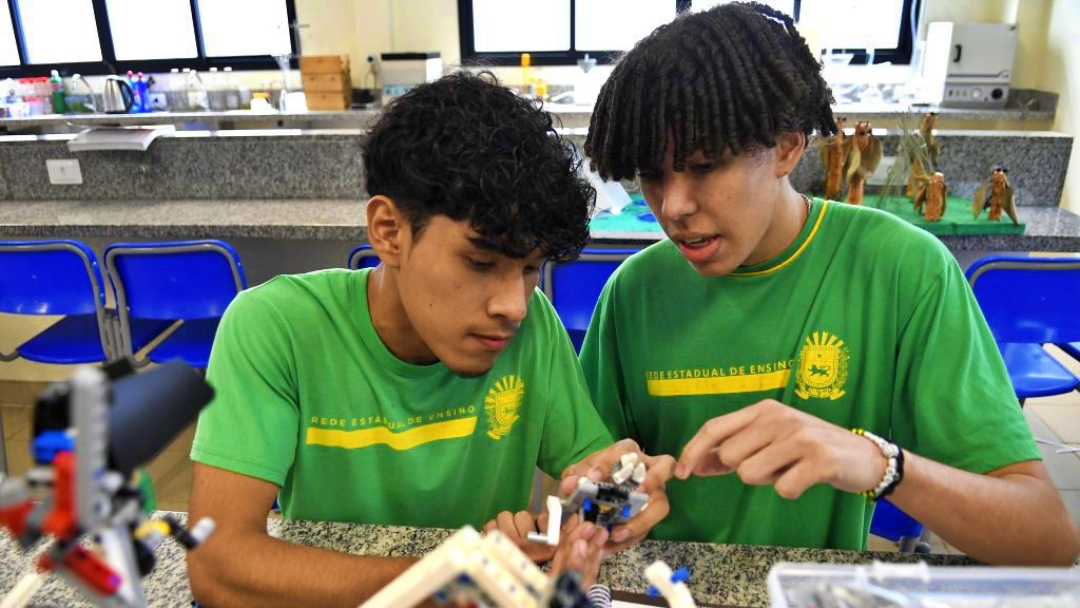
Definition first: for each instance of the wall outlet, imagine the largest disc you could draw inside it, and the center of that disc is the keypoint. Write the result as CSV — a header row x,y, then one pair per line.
x,y
64,171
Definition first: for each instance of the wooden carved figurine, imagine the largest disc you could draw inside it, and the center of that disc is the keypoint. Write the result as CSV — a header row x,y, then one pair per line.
x,y
863,154
918,173
930,199
832,159
997,195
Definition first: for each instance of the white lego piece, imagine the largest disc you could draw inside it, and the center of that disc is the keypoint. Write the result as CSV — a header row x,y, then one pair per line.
x,y
202,529
423,580
25,589
554,526
624,469
677,595
639,474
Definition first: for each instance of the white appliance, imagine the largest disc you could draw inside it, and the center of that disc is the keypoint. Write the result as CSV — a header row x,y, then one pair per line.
x,y
400,72
968,65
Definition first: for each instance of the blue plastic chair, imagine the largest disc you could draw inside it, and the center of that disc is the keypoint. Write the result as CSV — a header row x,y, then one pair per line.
x,y
1029,302
1071,348
574,287
58,277
192,281
363,257
891,523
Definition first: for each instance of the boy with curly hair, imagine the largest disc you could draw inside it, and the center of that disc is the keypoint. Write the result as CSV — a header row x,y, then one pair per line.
x,y
769,325
423,392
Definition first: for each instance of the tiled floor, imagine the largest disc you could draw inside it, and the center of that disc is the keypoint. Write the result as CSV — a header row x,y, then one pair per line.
x,y
1053,418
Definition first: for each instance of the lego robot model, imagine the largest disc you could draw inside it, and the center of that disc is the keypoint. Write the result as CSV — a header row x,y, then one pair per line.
x,y
491,572
90,437
602,503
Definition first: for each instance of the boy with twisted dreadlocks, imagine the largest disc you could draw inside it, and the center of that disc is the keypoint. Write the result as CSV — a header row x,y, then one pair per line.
x,y
770,325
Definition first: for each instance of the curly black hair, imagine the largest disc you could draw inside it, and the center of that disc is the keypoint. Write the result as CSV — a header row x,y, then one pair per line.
x,y
732,77
469,149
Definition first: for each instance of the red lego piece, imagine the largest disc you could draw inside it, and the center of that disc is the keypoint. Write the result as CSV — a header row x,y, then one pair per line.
x,y
96,574
14,517
61,521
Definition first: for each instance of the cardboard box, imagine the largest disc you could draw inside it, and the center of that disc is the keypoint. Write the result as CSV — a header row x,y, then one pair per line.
x,y
324,64
328,101
326,83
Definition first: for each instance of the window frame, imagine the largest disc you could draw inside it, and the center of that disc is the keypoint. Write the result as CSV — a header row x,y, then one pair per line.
x,y
901,55
110,65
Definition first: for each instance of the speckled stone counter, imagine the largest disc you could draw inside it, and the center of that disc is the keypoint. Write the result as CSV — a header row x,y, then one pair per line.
x,y
1048,228
240,118
1037,162
725,575
255,164
182,219
569,115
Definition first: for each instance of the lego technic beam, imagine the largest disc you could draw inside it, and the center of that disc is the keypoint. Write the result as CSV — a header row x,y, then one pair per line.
x,y
90,435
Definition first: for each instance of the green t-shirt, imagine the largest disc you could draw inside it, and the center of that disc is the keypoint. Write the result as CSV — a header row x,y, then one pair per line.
x,y
864,321
309,398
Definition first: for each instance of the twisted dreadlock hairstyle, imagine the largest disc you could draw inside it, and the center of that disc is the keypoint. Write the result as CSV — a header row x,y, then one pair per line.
x,y
733,77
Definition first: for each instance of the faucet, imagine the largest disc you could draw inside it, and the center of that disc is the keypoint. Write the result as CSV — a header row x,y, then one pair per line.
x,y
203,102
91,105
558,98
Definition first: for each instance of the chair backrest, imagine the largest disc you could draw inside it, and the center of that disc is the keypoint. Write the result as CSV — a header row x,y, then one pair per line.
x,y
363,257
893,524
59,277
574,287
174,280
1028,299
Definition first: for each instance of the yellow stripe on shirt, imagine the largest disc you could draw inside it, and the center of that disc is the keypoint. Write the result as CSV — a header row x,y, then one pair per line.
x,y
798,252
747,383
405,440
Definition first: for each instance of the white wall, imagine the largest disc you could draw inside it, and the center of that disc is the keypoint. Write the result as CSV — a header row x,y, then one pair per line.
x,y
1060,72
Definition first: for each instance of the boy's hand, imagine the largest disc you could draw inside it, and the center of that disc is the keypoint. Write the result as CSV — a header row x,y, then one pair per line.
x,y
772,443
597,467
581,549
517,526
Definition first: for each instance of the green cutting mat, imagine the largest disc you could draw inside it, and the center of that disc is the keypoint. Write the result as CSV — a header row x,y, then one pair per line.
x,y
957,220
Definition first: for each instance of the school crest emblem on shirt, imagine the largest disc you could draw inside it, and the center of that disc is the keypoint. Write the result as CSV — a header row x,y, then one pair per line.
x,y
501,405
823,367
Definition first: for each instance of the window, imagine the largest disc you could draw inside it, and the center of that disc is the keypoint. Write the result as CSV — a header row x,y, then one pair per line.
x,y
109,36
9,51
546,27
129,21
615,25
855,24
497,32
784,6
59,31
239,28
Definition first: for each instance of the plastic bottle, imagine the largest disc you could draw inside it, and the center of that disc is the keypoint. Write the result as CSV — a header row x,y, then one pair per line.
x,y
232,94
173,90
59,97
142,86
136,98
211,81
198,99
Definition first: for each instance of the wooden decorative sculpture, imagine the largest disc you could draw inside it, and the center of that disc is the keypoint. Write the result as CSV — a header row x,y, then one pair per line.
x,y
929,156
832,159
930,198
862,156
997,195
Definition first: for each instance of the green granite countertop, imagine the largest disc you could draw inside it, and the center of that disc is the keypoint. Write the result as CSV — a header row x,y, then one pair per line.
x,y
721,575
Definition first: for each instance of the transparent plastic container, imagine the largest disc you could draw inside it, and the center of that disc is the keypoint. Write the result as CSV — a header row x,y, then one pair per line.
x,y
921,586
